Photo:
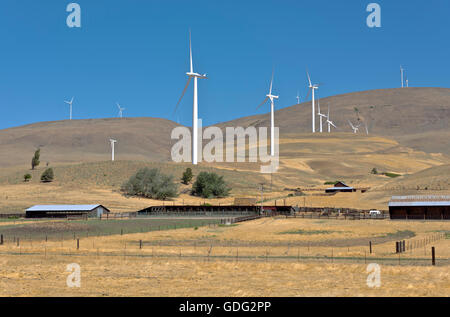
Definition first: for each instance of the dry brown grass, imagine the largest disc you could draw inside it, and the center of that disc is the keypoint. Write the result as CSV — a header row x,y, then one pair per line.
x,y
176,263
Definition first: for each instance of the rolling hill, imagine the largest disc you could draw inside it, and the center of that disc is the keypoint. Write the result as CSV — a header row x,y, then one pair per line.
x,y
416,117
409,136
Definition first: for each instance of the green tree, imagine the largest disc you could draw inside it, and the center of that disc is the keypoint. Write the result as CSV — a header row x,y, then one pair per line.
x,y
374,171
209,185
151,183
26,177
187,176
35,160
47,176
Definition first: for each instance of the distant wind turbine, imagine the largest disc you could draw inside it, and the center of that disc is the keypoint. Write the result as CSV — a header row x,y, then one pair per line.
x,y
401,74
321,115
112,148
272,116
366,127
298,97
313,88
70,107
329,122
191,74
354,128
120,110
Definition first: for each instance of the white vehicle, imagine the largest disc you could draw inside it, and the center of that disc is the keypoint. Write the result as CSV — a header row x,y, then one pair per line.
x,y
374,213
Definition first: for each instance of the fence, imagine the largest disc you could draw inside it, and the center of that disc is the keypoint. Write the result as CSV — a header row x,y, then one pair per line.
x,y
358,216
412,244
12,215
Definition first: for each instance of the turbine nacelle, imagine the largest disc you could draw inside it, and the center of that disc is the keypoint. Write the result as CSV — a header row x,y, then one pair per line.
x,y
197,75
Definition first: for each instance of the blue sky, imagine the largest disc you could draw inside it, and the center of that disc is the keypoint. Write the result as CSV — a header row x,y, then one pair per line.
x,y
135,52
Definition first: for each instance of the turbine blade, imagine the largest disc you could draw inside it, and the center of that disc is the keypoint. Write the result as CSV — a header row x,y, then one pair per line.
x,y
271,83
265,100
309,78
307,94
184,91
351,124
190,52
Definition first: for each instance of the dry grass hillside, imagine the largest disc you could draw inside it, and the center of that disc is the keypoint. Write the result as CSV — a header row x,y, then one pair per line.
x,y
417,117
408,136
87,140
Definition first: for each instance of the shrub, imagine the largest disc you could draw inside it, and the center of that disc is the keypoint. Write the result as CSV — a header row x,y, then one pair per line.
x,y
187,176
35,160
374,171
47,176
151,183
392,175
331,182
26,177
208,185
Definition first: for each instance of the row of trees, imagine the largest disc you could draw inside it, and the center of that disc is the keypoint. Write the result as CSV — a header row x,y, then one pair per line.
x,y
151,183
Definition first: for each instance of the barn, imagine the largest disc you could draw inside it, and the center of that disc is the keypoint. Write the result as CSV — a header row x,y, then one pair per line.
x,y
63,211
340,187
420,207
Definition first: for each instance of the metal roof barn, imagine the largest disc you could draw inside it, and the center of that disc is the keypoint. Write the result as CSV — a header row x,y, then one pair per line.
x,y
59,211
420,207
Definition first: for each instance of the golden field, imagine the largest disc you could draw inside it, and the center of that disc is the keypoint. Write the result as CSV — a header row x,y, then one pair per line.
x,y
264,257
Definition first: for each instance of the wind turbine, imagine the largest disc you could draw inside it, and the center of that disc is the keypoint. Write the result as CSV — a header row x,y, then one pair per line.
x,y
272,117
401,74
112,148
329,122
366,127
313,88
120,110
70,104
298,98
355,128
191,74
321,115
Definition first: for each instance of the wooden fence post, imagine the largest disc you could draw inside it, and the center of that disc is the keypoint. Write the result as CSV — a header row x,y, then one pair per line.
x,y
18,244
78,244
433,258
140,244
370,247
1,239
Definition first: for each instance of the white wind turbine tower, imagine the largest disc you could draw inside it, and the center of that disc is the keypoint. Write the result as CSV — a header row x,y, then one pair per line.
x,y
355,128
120,110
321,115
401,74
70,107
329,122
313,88
112,148
272,117
191,74
298,98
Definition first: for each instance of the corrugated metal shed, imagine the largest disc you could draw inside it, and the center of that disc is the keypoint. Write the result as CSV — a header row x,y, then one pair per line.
x,y
339,188
419,201
63,207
